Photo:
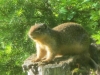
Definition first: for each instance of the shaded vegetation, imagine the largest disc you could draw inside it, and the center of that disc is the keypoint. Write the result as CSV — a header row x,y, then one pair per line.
x,y
16,17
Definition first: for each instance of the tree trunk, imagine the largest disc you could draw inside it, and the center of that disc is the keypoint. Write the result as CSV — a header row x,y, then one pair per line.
x,y
67,65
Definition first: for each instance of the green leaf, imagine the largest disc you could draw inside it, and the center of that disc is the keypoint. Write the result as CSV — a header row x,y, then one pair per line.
x,y
62,10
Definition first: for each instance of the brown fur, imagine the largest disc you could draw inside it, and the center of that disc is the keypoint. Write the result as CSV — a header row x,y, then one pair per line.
x,y
64,39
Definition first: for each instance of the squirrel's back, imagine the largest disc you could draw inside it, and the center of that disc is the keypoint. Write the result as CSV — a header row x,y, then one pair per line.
x,y
73,37
72,32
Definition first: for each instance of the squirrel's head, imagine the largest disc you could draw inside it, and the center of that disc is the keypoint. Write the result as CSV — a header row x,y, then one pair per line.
x,y
38,31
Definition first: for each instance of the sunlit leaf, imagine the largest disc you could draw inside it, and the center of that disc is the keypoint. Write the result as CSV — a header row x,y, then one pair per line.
x,y
8,49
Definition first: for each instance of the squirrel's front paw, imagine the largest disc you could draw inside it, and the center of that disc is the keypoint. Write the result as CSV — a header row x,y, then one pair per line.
x,y
36,60
46,61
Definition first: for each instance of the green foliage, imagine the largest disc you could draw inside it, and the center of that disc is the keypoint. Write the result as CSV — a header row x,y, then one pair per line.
x,y
16,17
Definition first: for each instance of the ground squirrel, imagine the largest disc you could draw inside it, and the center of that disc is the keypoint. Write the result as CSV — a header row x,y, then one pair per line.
x,y
64,39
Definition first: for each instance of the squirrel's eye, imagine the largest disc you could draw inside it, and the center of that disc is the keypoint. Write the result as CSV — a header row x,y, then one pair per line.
x,y
39,29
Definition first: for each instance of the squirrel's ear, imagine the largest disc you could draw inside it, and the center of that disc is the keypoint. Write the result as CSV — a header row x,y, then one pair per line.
x,y
45,26
35,23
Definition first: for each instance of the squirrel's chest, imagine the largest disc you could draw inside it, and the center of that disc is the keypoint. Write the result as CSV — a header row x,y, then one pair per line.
x,y
42,47
48,45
